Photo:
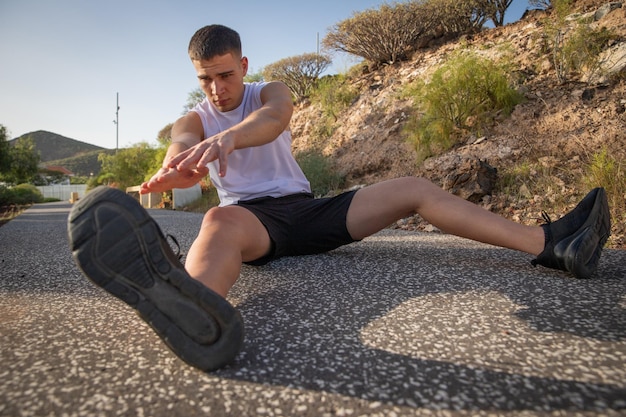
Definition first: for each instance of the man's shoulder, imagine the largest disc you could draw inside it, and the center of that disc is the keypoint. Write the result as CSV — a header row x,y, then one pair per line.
x,y
256,84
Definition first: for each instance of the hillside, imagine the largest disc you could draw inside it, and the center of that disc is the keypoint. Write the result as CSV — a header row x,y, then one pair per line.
x,y
52,146
541,152
79,157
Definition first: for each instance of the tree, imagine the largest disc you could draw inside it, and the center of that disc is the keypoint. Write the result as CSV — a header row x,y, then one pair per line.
x,y
128,167
49,177
497,9
194,97
4,150
164,139
253,76
457,17
23,162
300,73
392,32
165,135
384,35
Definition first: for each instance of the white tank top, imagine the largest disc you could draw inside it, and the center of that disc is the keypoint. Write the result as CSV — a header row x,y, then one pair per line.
x,y
261,171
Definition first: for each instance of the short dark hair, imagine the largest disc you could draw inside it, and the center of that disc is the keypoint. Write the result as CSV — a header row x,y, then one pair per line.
x,y
214,40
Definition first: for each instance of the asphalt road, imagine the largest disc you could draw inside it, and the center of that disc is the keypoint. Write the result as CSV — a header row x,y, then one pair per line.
x,y
400,324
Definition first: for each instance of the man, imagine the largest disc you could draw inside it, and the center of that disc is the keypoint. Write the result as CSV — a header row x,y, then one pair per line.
x,y
238,135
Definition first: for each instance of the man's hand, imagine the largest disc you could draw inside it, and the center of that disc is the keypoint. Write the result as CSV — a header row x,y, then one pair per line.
x,y
196,158
168,178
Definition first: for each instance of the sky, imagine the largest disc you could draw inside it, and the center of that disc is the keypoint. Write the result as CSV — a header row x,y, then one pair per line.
x,y
63,62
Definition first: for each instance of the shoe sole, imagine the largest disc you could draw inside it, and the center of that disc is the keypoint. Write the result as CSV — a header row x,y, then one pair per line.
x,y
120,248
581,251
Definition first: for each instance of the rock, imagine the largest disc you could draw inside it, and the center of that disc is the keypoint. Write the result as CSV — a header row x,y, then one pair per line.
x,y
524,191
611,62
466,176
606,9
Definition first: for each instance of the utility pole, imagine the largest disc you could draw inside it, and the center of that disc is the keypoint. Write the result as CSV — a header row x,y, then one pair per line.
x,y
318,43
117,122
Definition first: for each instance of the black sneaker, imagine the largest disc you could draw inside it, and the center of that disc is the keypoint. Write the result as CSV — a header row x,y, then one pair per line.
x,y
120,248
574,242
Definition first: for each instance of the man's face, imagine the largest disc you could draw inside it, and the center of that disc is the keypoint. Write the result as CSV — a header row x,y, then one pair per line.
x,y
221,79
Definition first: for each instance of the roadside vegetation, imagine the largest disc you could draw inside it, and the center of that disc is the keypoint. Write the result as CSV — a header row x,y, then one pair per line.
x,y
464,95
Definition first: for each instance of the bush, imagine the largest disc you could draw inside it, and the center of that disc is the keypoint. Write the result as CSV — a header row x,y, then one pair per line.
x,y
127,167
300,73
464,94
575,47
581,51
455,17
320,172
606,170
5,195
20,195
382,36
334,94
394,31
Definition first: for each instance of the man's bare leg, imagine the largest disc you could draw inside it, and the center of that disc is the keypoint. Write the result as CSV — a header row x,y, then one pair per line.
x,y
228,236
376,207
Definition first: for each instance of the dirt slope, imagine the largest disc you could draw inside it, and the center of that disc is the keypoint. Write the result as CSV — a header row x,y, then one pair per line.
x,y
554,133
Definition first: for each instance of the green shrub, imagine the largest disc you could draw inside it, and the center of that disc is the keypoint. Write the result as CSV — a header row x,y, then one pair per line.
x,y
5,195
575,47
334,94
582,49
464,95
606,170
529,177
20,194
320,172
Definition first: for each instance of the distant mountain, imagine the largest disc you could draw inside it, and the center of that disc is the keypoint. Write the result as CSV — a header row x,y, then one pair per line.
x,y
79,157
52,147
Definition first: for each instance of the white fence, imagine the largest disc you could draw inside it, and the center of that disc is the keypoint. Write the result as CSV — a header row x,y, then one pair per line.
x,y
62,192
180,196
184,196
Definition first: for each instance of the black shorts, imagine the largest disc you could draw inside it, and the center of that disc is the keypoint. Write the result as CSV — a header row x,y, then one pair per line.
x,y
299,224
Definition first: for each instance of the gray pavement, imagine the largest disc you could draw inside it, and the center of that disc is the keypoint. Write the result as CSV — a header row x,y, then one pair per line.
x,y
401,324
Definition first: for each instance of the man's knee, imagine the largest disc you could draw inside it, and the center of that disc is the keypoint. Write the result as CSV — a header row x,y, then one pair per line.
x,y
238,227
221,217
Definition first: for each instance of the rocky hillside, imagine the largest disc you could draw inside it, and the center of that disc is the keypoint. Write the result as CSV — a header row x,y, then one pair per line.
x,y
542,150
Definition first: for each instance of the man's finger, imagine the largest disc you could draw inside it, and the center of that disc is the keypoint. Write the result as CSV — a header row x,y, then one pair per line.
x,y
223,161
208,156
176,159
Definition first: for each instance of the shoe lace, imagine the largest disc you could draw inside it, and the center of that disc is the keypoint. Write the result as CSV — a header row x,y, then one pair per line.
x,y
546,217
175,247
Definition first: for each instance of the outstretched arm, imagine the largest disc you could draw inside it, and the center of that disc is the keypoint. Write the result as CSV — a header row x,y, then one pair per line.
x,y
186,132
260,127
187,157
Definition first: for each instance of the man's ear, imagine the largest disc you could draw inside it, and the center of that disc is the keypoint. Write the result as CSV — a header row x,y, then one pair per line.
x,y
244,65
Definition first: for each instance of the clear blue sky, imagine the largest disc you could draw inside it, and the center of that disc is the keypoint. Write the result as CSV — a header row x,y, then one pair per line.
x,y
63,61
